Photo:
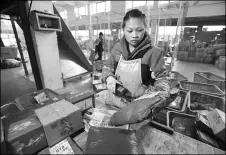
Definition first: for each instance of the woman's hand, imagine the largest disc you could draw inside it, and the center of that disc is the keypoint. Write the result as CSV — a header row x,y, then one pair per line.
x,y
111,83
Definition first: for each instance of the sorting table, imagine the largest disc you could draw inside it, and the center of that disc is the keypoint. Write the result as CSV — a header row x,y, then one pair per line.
x,y
158,142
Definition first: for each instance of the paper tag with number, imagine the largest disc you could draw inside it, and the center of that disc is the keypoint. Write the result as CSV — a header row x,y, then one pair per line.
x,y
61,148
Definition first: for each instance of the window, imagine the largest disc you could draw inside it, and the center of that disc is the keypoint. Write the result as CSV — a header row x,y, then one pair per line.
x,y
63,14
108,6
129,4
132,4
83,10
139,3
93,8
163,2
151,3
76,12
101,6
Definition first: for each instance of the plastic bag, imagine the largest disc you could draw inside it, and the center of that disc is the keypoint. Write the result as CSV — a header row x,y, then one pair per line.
x,y
139,110
112,141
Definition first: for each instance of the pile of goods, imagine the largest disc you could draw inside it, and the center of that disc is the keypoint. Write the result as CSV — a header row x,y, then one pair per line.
x,y
40,121
212,54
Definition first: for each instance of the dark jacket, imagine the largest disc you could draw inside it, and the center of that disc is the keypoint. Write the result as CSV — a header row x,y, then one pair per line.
x,y
152,57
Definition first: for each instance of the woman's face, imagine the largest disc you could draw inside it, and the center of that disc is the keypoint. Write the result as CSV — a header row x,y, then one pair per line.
x,y
134,31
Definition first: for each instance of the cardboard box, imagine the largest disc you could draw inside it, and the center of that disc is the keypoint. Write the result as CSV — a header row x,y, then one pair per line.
x,y
10,108
38,99
24,133
59,120
66,146
216,120
77,96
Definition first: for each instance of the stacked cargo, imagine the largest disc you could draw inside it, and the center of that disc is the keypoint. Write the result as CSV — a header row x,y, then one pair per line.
x,y
213,54
37,121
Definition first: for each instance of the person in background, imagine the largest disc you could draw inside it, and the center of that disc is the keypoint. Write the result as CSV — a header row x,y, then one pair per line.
x,y
134,62
99,46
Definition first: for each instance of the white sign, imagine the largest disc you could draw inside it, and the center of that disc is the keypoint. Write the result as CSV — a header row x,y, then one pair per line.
x,y
61,148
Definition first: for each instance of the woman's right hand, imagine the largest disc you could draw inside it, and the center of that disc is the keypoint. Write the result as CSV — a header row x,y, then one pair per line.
x,y
111,83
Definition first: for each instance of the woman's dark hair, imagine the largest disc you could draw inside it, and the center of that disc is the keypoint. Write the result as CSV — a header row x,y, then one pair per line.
x,y
101,34
134,13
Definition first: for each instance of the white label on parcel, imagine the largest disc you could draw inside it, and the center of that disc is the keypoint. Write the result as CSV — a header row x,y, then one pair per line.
x,y
61,148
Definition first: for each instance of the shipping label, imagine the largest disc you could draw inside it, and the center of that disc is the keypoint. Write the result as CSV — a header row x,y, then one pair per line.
x,y
61,148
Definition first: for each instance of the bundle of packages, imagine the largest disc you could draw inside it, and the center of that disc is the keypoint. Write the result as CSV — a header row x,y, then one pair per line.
x,y
220,52
220,62
143,107
10,63
208,59
218,46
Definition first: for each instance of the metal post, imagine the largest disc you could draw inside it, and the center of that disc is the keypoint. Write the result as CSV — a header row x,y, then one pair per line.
x,y
148,26
178,22
30,45
164,32
109,28
157,33
19,46
90,26
104,32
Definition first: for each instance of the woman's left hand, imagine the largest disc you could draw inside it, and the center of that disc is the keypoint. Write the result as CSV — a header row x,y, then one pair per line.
x,y
139,92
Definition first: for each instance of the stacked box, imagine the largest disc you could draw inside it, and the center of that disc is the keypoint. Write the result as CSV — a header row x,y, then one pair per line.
x,y
216,120
24,133
9,109
59,120
38,99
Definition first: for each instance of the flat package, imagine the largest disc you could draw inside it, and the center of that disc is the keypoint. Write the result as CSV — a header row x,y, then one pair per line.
x,y
216,120
66,146
112,141
76,96
59,120
38,99
24,133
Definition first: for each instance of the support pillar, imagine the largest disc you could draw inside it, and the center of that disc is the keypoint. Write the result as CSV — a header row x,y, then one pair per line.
x,y
154,25
19,46
46,50
109,28
90,27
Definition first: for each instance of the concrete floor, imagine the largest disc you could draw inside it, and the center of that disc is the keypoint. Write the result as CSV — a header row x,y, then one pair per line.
x,y
15,84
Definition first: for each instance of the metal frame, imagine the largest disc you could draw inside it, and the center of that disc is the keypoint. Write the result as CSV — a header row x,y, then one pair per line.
x,y
19,46
30,45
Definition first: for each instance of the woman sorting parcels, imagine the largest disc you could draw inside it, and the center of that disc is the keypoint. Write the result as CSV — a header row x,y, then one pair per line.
x,y
134,62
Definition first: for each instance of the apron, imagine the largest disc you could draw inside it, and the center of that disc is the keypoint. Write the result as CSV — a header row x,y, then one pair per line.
x,y
129,74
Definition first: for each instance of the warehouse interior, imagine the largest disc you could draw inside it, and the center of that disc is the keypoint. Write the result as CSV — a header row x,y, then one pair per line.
x,y
55,92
